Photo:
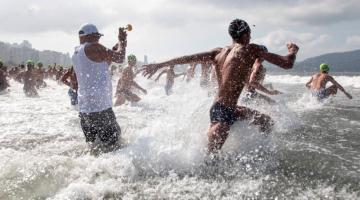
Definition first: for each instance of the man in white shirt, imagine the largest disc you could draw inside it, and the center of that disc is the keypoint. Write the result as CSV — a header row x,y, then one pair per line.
x,y
91,63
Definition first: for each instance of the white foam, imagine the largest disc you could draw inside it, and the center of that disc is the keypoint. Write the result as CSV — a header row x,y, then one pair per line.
x,y
43,151
346,81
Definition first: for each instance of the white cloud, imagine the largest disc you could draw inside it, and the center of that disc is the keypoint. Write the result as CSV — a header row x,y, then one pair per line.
x,y
34,8
353,40
309,43
164,28
323,12
287,12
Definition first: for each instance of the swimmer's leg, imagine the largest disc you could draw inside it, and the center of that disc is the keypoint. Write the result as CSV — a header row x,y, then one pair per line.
x,y
217,134
264,121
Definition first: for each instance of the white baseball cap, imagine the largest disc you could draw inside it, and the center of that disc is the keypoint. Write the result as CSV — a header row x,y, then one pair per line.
x,y
87,29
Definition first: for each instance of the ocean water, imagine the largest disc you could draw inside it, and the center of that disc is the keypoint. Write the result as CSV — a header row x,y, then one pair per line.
x,y
312,153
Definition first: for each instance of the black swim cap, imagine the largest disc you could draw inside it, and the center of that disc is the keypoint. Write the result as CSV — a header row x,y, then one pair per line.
x,y
237,28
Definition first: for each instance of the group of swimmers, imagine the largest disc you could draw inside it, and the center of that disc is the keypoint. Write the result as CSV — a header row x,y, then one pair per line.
x,y
231,70
33,77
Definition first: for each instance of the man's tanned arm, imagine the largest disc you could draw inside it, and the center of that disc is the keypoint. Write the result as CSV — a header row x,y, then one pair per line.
x,y
150,70
332,80
285,62
98,53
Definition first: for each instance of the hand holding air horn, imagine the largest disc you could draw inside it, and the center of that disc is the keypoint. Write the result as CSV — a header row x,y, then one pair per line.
x,y
126,28
123,33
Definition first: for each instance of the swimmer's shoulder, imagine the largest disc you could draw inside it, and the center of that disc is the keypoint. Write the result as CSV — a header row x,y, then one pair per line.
x,y
316,76
328,77
217,51
255,49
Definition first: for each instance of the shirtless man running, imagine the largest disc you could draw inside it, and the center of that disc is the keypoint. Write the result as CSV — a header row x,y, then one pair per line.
x,y
170,78
126,82
40,73
28,77
4,84
233,65
69,79
318,82
256,79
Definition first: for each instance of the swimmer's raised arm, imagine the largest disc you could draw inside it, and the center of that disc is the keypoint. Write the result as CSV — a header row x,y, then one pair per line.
x,y
285,62
98,53
150,70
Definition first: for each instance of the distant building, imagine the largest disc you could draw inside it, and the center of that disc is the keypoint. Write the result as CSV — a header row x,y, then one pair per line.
x,y
26,44
14,54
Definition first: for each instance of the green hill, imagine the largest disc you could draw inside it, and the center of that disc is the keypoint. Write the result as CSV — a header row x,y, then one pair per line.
x,y
338,62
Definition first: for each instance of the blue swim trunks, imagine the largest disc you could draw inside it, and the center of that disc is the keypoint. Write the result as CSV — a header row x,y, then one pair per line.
x,y
319,94
73,97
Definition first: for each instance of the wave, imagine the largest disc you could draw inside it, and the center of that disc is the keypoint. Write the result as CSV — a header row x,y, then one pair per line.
x,y
44,154
346,81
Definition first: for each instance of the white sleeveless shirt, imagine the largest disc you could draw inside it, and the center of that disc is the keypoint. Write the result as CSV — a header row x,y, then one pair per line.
x,y
94,80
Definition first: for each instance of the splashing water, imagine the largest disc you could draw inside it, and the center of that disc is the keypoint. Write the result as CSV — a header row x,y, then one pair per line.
x,y
311,153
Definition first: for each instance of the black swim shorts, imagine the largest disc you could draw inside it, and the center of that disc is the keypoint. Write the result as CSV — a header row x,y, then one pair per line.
x,y
101,125
222,114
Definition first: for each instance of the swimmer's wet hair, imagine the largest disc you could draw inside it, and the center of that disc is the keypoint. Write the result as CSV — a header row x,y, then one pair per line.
x,y
238,28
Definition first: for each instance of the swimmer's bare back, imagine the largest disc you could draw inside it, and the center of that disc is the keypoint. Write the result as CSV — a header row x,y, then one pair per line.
x,y
235,66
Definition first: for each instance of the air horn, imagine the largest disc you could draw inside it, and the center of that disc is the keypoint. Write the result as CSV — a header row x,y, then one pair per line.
x,y
127,28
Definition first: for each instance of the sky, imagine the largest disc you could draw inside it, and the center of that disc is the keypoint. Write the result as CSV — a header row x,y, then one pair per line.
x,y
164,29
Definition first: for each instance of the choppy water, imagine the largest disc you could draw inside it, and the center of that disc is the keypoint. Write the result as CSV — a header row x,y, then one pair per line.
x,y
313,152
